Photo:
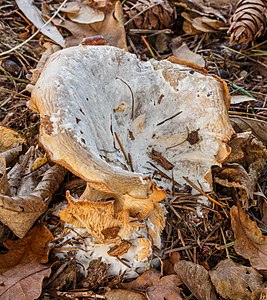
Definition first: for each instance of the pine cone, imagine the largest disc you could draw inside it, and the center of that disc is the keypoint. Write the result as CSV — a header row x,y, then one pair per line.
x,y
149,14
248,21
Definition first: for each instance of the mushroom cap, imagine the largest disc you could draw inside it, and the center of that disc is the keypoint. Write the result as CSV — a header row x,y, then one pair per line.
x,y
113,119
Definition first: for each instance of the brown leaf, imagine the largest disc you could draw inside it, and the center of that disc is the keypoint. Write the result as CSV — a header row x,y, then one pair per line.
x,y
162,292
30,249
183,52
256,126
9,139
4,185
234,281
121,249
111,28
250,242
235,176
124,294
171,280
23,281
29,199
34,15
82,13
148,278
243,167
196,278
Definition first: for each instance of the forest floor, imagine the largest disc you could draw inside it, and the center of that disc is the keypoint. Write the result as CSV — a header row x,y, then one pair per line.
x,y
204,241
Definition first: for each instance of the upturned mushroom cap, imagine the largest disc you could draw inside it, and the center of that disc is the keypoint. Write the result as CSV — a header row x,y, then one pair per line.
x,y
114,120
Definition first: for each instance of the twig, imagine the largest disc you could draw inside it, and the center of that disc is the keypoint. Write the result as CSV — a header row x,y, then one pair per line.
x,y
224,240
148,46
202,192
38,30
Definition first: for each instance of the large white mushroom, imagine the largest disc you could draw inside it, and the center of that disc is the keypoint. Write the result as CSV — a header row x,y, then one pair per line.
x,y
114,120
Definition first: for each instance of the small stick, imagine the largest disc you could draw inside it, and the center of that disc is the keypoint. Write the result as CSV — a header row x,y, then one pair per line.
x,y
148,46
202,192
224,240
122,149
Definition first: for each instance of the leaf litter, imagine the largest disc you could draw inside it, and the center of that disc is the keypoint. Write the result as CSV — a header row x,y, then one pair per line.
x,y
203,236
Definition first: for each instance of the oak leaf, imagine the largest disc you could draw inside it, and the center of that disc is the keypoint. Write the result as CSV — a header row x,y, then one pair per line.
x,y
23,281
32,248
196,278
124,294
234,281
250,242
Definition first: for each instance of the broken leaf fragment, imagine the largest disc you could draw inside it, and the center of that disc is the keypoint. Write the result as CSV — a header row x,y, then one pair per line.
x,y
196,278
250,242
237,282
29,194
30,249
23,281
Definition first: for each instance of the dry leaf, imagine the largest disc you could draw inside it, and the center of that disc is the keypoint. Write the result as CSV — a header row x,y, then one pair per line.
x,y
163,292
241,99
29,199
196,278
156,288
111,28
121,249
34,15
257,127
166,288
237,282
124,294
148,278
250,242
9,139
183,52
82,13
33,248
243,167
194,25
23,281
4,185
235,176
38,163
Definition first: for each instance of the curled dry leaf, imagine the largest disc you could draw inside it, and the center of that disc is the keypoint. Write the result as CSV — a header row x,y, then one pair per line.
x,y
162,292
111,28
244,165
9,139
257,127
184,53
237,282
34,15
197,279
250,242
124,294
82,13
200,24
33,248
4,185
156,288
23,281
148,278
29,199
